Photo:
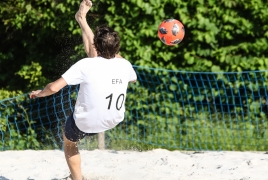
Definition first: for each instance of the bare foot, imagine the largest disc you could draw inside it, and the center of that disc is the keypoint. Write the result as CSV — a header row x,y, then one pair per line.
x,y
85,6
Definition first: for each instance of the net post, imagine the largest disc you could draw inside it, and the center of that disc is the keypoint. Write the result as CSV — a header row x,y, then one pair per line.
x,y
101,141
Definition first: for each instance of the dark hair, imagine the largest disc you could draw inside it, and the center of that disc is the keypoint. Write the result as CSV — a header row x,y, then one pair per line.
x,y
106,42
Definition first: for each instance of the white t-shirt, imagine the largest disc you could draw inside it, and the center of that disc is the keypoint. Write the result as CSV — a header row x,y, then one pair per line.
x,y
100,104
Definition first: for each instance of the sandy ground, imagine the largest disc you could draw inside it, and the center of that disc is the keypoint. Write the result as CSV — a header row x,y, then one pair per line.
x,y
157,164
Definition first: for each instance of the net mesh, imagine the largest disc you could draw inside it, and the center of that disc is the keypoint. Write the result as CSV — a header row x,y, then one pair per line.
x,y
164,108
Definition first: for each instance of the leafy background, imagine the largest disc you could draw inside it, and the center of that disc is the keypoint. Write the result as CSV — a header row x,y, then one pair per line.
x,y
41,39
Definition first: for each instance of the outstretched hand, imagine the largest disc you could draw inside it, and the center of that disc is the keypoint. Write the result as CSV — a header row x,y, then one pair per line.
x,y
34,94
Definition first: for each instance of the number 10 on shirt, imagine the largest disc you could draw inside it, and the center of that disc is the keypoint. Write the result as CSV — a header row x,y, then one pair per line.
x,y
119,101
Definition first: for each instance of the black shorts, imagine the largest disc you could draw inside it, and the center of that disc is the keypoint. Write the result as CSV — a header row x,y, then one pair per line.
x,y
71,131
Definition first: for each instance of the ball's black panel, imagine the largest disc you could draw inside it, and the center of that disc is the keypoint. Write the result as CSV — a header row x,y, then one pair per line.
x,y
163,40
162,30
176,41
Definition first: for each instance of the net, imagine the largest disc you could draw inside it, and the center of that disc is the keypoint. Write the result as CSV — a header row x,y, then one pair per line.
x,y
164,108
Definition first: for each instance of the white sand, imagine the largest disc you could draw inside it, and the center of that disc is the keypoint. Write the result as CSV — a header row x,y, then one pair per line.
x,y
131,165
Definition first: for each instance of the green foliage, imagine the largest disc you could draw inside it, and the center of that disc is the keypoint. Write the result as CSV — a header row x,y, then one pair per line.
x,y
33,73
44,32
194,114
5,94
89,143
13,134
40,40
220,35
18,131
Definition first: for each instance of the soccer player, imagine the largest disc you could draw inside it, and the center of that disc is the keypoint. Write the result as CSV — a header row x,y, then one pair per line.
x,y
103,79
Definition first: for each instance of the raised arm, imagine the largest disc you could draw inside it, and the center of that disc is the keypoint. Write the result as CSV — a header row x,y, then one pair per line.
x,y
87,33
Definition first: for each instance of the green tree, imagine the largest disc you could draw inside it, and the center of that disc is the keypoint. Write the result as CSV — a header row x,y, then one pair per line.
x,y
42,31
221,35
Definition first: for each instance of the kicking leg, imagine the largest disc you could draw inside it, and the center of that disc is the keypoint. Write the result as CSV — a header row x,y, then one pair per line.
x,y
87,33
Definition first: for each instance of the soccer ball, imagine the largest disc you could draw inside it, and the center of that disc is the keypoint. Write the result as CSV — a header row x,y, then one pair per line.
x,y
171,32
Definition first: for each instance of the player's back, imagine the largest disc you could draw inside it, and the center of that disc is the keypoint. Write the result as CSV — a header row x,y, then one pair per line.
x,y
102,92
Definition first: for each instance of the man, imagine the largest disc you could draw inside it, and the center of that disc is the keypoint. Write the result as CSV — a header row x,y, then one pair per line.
x,y
103,80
